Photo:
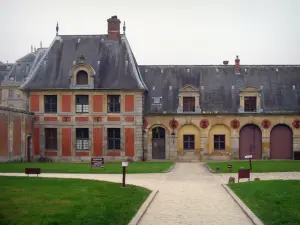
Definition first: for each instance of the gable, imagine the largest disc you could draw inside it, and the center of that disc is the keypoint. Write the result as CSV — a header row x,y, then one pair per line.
x,y
189,88
249,88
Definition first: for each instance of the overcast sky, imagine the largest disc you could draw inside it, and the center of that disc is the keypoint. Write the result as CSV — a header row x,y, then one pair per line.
x,y
163,31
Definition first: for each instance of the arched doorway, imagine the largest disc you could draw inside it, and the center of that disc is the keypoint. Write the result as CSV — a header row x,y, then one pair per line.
x,y
158,143
250,141
281,139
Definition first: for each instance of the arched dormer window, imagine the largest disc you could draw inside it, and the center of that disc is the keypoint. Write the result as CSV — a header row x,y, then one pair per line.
x,y
82,78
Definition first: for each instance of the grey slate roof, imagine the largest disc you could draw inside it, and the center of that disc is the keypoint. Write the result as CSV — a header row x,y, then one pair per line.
x,y
21,68
4,70
113,62
219,86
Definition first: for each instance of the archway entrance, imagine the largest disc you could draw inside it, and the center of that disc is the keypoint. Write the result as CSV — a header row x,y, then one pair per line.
x,y
250,141
281,139
158,143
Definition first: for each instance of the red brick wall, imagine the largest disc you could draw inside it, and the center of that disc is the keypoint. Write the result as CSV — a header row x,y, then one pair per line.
x,y
15,119
36,141
17,134
129,142
66,142
3,133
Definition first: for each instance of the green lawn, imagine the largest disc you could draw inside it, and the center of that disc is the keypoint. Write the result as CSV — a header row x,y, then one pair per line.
x,y
258,166
52,201
274,202
109,167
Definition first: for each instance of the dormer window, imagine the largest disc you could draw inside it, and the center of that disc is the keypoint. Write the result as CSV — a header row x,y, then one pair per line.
x,y
82,75
189,99
250,104
250,99
188,104
82,78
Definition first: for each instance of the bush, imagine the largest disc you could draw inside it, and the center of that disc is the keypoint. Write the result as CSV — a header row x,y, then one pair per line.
x,y
43,159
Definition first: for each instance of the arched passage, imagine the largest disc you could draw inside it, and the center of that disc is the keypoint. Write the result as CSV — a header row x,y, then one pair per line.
x,y
281,139
250,141
158,143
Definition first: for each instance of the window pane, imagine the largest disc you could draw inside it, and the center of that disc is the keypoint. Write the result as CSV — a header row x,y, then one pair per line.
x,y
78,108
85,108
78,144
85,144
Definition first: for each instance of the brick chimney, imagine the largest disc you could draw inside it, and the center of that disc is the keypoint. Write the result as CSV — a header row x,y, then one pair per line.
x,y
237,68
113,28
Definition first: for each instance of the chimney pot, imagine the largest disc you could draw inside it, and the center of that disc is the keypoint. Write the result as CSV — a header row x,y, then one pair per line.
x,y
225,62
237,67
113,28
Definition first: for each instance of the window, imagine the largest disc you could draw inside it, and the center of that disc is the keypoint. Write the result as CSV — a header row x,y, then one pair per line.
x,y
11,93
82,139
51,138
50,103
188,142
82,103
114,138
250,104
219,142
157,100
113,103
82,78
188,104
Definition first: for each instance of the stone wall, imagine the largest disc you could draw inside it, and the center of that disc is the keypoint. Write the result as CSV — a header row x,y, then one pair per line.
x,y
16,129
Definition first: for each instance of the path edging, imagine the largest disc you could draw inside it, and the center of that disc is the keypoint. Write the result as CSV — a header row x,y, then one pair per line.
x,y
170,168
207,167
140,213
243,206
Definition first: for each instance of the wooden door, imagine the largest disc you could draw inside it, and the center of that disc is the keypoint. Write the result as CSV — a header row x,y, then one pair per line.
x,y
281,139
250,141
158,143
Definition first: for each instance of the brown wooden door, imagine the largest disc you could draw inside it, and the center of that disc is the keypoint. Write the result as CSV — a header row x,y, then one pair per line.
x,y
28,150
281,139
158,143
250,141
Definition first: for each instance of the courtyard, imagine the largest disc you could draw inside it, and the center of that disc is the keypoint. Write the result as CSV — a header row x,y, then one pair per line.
x,y
191,194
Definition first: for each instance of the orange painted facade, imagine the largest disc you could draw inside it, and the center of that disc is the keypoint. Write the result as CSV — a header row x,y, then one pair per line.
x,y
97,142
66,142
34,103
129,142
129,103
66,103
98,103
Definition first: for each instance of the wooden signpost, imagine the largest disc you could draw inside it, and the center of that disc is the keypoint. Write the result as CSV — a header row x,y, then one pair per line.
x,y
250,162
97,162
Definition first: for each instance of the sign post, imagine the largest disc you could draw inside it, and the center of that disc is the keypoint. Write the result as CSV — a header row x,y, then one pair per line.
x,y
97,162
229,166
250,161
124,165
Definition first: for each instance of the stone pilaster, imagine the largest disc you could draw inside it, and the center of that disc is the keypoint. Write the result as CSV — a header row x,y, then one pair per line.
x,y
204,144
173,152
42,141
296,143
265,147
235,145
59,142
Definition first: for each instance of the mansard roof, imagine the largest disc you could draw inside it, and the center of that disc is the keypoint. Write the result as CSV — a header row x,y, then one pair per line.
x,y
219,86
113,62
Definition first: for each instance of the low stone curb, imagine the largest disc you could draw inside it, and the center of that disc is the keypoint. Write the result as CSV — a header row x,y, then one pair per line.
x,y
207,167
140,213
170,169
243,206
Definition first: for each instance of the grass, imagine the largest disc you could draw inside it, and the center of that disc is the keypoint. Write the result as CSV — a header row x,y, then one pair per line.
x,y
52,201
274,202
258,166
109,167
